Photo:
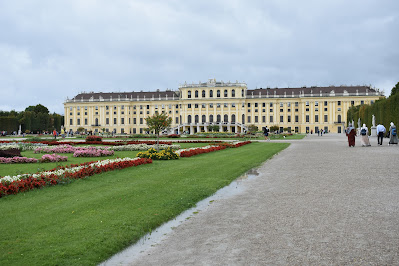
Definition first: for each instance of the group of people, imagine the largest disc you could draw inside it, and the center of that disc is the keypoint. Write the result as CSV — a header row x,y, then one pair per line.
x,y
364,133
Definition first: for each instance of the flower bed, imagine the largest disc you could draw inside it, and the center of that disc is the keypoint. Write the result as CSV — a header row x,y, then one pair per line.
x,y
20,183
94,139
51,158
18,159
167,154
92,152
142,147
195,151
11,152
77,151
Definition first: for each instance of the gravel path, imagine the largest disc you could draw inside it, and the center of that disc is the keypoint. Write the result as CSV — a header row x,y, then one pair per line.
x,y
318,202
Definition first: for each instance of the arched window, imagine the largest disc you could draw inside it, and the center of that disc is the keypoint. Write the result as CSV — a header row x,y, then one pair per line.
x,y
203,94
203,119
218,118
210,93
243,119
211,119
180,120
218,93
96,121
225,93
242,93
226,118
189,119
233,93
339,118
189,94
196,119
196,94
233,118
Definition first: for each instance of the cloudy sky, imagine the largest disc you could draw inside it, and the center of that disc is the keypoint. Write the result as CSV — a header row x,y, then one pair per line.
x,y
54,49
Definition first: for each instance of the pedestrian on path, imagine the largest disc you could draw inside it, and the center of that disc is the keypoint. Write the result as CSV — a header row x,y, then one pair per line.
x,y
266,132
364,132
351,134
393,138
380,133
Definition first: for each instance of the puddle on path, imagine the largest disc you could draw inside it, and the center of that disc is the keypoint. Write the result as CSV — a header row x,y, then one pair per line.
x,y
129,254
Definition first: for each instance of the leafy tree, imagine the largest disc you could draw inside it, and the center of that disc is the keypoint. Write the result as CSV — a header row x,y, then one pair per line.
x,y
395,89
252,129
274,128
213,128
158,123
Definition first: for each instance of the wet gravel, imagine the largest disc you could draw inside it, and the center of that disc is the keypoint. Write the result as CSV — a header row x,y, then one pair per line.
x,y
318,202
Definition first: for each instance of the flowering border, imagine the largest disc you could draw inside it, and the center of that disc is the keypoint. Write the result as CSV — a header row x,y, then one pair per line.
x,y
195,151
21,183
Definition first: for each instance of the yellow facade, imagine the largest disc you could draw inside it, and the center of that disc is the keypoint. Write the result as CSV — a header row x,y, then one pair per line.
x,y
194,107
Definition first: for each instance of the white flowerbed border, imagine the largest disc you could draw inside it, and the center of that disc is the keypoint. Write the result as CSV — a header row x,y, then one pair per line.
x,y
61,172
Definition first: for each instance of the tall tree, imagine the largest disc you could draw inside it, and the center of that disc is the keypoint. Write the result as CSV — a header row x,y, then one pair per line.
x,y
395,89
158,123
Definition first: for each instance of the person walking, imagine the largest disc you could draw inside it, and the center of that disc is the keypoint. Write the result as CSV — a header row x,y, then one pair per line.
x,y
351,134
393,137
380,133
364,132
266,132
55,134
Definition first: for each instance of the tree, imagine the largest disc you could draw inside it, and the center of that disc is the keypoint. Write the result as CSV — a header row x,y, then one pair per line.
x,y
252,129
395,89
274,128
158,123
213,128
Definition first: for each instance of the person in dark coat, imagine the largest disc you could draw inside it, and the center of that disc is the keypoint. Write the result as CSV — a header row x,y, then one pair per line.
x,y
351,134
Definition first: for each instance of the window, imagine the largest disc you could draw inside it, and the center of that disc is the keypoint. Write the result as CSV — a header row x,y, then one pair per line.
x,y
78,108
189,105
141,121
296,110
271,119
316,103
281,118
352,102
218,105
307,103
78,122
203,119
316,118
85,108
242,94
296,104
122,121
211,118
226,118
107,121
325,109
243,119
218,93
325,118
307,109
85,113
226,105
134,121
233,93
271,110
281,104
141,107
218,118
263,110
196,117
339,109
177,120
249,104
225,93
361,102
339,103
233,105
281,110
156,106
114,107
203,105
249,119
148,106
123,107
288,104
271,104
196,105
263,119
325,103
256,104
70,113
316,109
256,119
196,94
211,105
233,118
288,110
114,113
307,118
211,93
189,94
70,108
263,104
256,110
289,119
189,119
114,121
203,93
71,121
296,119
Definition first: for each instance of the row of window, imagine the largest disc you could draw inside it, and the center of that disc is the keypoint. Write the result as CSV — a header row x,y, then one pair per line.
x,y
210,94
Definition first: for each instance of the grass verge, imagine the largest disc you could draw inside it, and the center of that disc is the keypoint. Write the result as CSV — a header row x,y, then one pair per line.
x,y
87,221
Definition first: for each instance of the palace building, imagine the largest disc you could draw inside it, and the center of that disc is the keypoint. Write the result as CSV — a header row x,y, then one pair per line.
x,y
231,105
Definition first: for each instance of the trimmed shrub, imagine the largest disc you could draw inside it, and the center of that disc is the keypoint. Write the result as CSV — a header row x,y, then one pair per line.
x,y
10,153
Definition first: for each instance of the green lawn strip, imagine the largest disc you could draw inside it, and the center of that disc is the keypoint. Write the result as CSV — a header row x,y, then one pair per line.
x,y
15,169
87,221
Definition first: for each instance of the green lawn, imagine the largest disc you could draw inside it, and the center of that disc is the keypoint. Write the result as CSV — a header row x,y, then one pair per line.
x,y
87,221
